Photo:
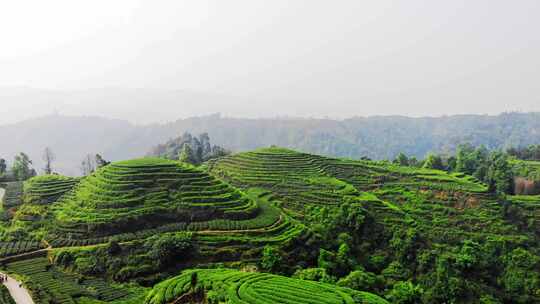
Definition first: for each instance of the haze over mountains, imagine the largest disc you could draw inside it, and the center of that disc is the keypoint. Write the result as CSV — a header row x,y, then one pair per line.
x,y
139,106
148,105
381,137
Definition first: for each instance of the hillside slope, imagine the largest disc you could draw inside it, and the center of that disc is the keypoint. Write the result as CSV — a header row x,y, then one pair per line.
x,y
411,235
243,287
145,193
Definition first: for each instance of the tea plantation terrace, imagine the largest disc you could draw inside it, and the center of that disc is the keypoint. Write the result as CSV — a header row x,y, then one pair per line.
x,y
231,286
13,195
296,178
269,167
47,189
139,198
394,195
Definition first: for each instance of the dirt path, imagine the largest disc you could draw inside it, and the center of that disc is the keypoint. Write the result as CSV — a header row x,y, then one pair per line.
x,y
18,293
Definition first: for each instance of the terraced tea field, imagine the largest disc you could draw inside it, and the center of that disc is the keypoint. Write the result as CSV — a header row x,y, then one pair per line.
x,y
301,178
445,206
13,195
145,193
369,175
229,211
140,198
50,285
296,178
18,247
237,287
47,189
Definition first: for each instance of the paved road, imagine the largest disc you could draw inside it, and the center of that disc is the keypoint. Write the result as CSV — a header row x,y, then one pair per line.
x,y
18,293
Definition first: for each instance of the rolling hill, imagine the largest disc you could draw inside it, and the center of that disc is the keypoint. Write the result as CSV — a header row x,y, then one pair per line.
x,y
250,223
242,287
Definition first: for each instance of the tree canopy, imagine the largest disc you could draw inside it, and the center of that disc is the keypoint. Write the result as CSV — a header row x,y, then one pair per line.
x,y
22,167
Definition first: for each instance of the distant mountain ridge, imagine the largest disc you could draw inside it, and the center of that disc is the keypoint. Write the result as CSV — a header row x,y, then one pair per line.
x,y
379,137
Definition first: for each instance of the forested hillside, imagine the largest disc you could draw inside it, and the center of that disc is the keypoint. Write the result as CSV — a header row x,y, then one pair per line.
x,y
375,137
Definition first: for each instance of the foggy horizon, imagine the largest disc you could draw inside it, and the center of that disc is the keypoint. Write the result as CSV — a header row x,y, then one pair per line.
x,y
147,62
142,115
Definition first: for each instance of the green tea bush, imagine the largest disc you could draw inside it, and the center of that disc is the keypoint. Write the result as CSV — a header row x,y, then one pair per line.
x,y
244,287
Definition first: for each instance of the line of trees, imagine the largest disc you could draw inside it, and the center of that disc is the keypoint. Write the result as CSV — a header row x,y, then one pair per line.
x,y
22,167
490,167
531,152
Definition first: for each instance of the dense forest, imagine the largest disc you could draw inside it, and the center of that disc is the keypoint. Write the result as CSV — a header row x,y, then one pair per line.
x,y
382,137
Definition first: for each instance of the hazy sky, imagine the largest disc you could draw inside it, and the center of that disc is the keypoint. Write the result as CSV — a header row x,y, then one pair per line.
x,y
286,57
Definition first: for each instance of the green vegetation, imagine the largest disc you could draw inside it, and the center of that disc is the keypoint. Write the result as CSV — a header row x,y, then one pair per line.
x,y
142,194
47,189
22,167
48,284
13,195
531,152
527,174
277,226
405,228
526,168
5,297
223,285
189,149
18,247
491,168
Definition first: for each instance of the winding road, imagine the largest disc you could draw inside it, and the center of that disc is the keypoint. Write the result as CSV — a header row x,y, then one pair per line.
x,y
17,292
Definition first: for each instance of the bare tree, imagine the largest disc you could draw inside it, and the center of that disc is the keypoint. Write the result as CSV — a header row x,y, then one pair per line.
x,y
48,157
88,165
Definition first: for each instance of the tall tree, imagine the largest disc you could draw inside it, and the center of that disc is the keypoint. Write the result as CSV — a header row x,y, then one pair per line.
x,y
187,155
465,160
433,162
48,158
3,166
499,176
204,139
402,159
22,167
